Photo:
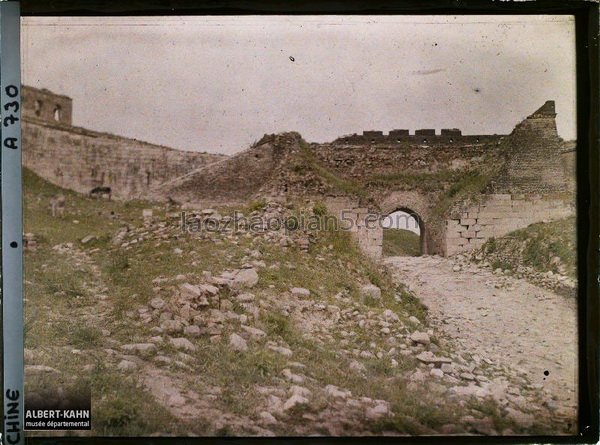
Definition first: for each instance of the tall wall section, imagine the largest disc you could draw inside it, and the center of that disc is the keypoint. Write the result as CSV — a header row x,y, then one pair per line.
x,y
535,184
79,159
534,162
361,157
45,105
358,220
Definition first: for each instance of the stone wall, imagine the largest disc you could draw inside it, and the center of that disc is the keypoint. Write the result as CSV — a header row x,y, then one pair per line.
x,y
420,137
360,161
533,161
80,159
367,233
46,105
536,168
569,160
498,215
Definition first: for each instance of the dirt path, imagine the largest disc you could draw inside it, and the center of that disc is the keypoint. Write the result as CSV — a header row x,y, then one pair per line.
x,y
529,330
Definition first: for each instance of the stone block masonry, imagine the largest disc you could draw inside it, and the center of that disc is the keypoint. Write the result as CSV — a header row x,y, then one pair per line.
x,y
46,105
368,234
79,159
535,169
498,215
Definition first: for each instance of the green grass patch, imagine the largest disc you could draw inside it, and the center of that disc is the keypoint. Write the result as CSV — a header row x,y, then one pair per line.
x,y
307,161
544,246
398,242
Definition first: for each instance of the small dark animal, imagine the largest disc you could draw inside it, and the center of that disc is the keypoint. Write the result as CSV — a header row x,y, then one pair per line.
x,y
101,192
171,202
57,204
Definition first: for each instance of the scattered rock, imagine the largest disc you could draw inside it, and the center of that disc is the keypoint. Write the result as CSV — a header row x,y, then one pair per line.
x,y
436,372
428,357
300,390
420,337
183,344
88,239
267,418
300,292
157,303
336,392
254,332
245,298
378,411
192,331
414,320
370,291
295,378
294,401
40,369
237,343
172,326
189,291
357,366
281,350
390,316
126,365
243,278
143,348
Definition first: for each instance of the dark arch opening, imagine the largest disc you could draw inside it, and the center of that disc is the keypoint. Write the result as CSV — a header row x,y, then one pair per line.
x,y
404,233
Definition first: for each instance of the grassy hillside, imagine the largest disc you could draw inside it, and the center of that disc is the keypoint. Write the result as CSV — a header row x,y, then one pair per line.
x,y
543,246
401,243
329,358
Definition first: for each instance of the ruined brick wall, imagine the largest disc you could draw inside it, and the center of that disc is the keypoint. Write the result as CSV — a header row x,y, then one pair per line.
x,y
367,233
46,105
569,160
79,159
358,158
533,160
535,183
498,215
247,175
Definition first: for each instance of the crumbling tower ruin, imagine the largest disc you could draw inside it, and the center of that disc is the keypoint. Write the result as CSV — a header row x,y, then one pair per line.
x,y
534,163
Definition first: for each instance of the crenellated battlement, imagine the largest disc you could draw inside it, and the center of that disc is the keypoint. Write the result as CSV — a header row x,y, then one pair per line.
x,y
425,136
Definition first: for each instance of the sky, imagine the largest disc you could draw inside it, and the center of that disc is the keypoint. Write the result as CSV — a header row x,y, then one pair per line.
x,y
218,84
401,220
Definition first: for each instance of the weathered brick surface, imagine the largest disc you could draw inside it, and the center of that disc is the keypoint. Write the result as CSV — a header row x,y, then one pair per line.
x,y
81,159
45,105
509,214
534,163
536,168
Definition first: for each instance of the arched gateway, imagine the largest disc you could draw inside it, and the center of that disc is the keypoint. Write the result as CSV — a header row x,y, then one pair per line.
x,y
404,233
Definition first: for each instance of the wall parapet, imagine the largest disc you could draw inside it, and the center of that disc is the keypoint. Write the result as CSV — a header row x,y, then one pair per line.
x,y
421,137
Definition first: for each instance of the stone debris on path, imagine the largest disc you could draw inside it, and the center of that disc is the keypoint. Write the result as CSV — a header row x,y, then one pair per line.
x,y
500,320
